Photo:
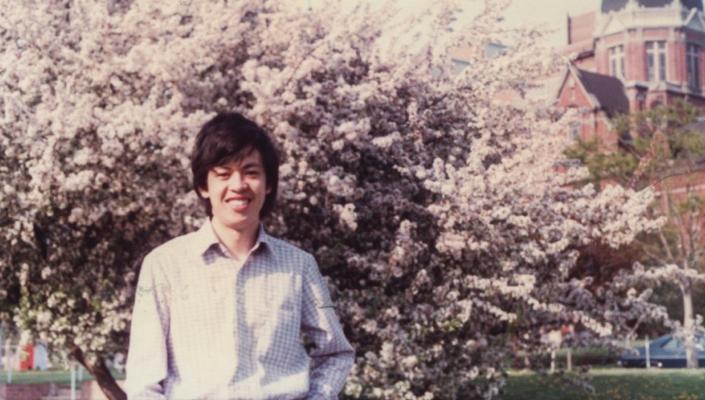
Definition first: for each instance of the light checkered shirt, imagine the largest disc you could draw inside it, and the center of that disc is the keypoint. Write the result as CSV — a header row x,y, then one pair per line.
x,y
204,329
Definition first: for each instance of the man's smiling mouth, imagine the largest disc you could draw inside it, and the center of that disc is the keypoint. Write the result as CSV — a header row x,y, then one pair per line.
x,y
238,202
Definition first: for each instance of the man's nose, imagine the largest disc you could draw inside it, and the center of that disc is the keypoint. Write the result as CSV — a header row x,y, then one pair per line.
x,y
237,182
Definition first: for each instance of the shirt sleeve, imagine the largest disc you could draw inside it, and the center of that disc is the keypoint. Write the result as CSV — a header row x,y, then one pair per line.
x,y
146,367
332,355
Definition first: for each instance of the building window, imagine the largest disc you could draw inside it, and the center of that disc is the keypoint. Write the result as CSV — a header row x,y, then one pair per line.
x,y
574,132
616,59
656,61
640,101
494,50
459,65
694,66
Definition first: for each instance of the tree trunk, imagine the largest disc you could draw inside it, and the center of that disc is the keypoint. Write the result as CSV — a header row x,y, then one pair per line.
x,y
102,376
691,355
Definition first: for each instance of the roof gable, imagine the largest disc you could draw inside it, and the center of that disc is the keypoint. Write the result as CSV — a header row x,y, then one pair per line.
x,y
608,92
612,24
572,93
596,91
695,21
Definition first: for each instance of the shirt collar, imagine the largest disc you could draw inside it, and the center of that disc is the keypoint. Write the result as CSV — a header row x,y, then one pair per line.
x,y
206,239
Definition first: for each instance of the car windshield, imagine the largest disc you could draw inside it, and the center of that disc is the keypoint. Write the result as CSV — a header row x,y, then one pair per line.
x,y
672,344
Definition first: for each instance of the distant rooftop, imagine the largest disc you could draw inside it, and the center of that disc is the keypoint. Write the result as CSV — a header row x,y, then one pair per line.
x,y
616,5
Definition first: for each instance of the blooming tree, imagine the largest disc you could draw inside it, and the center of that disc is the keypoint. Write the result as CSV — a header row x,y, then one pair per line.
x,y
662,150
436,211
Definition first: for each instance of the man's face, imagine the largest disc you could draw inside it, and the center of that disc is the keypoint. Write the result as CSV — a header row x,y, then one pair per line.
x,y
236,191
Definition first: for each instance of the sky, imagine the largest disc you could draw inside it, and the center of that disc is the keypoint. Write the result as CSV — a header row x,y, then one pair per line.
x,y
548,13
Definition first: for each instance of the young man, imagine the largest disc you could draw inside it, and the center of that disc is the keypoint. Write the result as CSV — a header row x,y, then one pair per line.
x,y
219,312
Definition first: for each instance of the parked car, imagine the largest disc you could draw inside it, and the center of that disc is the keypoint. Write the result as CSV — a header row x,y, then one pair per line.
x,y
665,352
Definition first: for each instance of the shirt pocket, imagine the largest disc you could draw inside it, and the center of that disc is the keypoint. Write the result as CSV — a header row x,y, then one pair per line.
x,y
278,338
280,294
282,308
202,307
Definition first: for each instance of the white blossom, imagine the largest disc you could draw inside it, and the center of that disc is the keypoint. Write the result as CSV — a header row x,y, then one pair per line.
x,y
435,209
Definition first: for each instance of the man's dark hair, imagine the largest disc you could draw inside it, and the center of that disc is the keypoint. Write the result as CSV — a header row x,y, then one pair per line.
x,y
231,137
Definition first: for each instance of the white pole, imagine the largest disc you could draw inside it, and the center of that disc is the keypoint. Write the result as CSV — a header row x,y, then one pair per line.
x,y
2,358
73,381
80,373
569,358
553,361
11,362
648,353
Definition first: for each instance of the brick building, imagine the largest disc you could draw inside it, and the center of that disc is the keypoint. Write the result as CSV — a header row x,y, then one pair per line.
x,y
632,55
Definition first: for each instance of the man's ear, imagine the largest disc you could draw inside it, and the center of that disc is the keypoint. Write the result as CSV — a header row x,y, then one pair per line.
x,y
202,193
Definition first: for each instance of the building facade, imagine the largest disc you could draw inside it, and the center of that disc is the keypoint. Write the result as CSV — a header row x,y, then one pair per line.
x,y
632,55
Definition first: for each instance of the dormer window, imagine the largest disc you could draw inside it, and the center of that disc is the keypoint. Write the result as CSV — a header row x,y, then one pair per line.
x,y
616,60
693,56
656,61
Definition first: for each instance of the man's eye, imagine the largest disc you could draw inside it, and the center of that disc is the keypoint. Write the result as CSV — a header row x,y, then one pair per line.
x,y
221,174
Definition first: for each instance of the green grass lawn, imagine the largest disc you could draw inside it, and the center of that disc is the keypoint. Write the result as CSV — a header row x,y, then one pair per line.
x,y
59,377
611,384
